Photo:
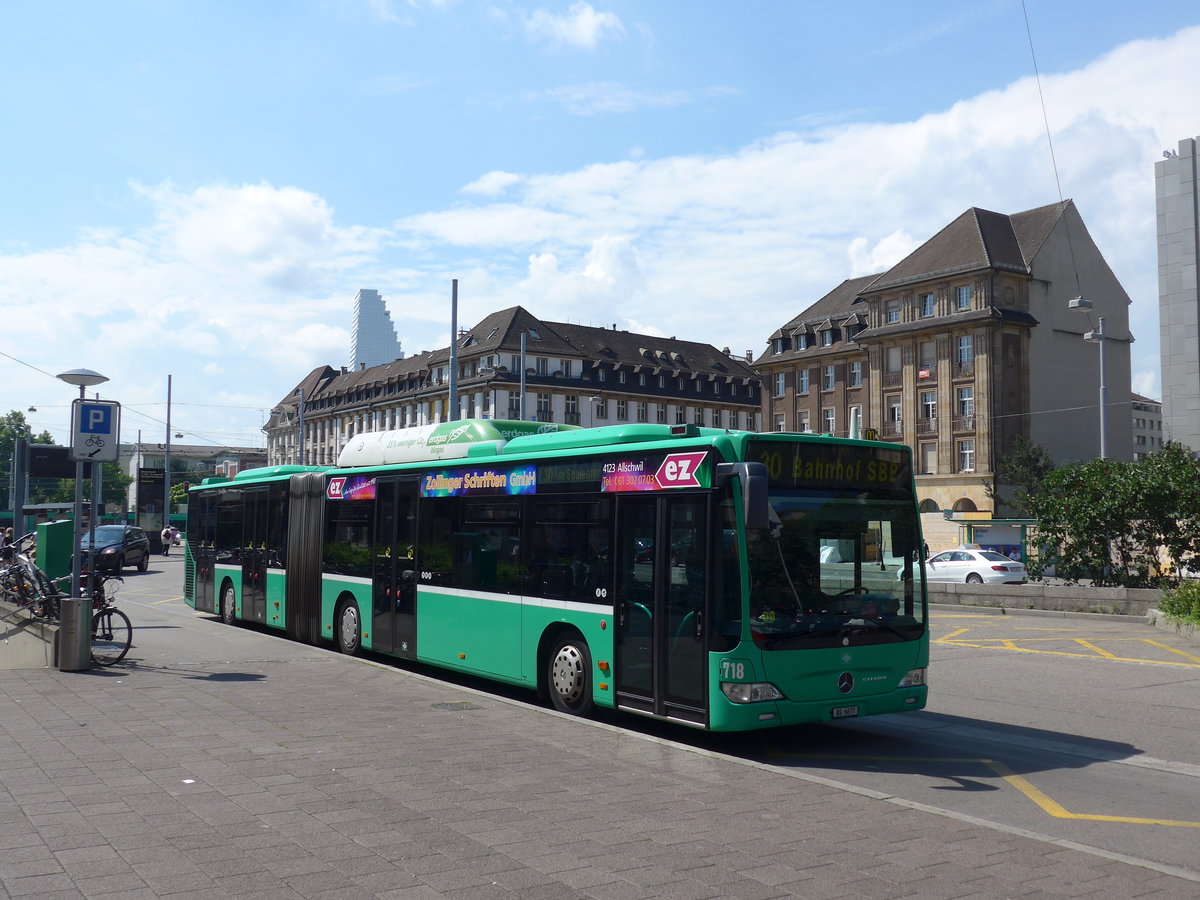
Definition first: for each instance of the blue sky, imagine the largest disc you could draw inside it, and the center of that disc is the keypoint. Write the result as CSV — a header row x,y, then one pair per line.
x,y
199,189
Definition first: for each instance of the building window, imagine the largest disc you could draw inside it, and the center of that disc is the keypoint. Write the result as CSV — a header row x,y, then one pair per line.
x,y
698,385
928,404
641,411
621,377
966,353
829,417
827,338
601,375
622,411
802,341
601,408
779,423
966,401
802,386
717,388
749,421
698,415
716,418
891,312
966,456
660,413
926,301
802,422
779,384
565,365
777,346
543,365
928,457
856,373
662,381
827,379
641,379
571,411
680,414
963,297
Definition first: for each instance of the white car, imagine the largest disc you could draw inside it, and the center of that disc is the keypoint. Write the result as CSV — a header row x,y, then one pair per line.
x,y
974,567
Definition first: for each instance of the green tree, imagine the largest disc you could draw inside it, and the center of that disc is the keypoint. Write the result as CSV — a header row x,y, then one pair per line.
x,y
1020,472
1114,522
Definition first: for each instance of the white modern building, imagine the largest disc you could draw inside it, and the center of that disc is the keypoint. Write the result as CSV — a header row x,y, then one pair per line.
x,y
373,341
1178,207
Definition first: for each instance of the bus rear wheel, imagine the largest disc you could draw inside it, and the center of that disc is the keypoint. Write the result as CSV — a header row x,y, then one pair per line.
x,y
349,628
569,676
228,605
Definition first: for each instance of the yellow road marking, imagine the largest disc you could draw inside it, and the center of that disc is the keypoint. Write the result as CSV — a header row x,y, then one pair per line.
x,y
1090,646
168,600
1172,649
1059,812
1039,797
955,634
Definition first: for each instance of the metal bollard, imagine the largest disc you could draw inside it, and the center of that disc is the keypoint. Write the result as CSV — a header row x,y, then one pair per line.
x,y
74,634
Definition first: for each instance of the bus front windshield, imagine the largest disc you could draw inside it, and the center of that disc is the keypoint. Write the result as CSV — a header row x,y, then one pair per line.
x,y
833,567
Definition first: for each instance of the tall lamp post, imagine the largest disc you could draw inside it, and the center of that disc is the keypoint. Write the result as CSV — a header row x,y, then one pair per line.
x,y
1097,336
83,379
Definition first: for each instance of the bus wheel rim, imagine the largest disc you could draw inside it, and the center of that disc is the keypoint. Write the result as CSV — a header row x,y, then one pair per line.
x,y
349,626
567,673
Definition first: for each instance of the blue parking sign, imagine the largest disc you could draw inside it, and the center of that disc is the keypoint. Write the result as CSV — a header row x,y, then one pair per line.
x,y
95,430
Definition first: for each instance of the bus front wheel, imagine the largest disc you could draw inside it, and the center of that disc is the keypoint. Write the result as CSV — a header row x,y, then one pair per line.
x,y
349,628
569,676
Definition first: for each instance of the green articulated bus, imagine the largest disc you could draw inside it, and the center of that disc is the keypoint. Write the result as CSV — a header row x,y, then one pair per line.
x,y
726,580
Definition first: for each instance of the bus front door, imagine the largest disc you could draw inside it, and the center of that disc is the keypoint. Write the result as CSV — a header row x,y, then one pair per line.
x,y
661,586
394,581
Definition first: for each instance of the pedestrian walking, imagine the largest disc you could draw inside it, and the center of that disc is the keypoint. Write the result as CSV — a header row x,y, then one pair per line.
x,y
168,535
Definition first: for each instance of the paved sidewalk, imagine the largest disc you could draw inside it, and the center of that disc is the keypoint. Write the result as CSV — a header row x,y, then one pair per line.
x,y
332,777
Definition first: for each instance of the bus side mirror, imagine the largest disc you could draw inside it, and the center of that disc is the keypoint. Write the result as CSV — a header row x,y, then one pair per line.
x,y
756,508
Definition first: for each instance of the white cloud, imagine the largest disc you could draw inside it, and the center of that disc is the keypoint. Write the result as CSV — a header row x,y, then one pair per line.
x,y
492,183
582,26
608,98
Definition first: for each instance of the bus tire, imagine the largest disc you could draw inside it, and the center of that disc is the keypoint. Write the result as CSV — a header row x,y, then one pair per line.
x,y
348,628
228,605
569,676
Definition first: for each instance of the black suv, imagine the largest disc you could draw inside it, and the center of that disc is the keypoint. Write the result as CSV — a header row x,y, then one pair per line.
x,y
118,546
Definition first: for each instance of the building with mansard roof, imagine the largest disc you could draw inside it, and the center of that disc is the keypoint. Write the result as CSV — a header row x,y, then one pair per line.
x,y
961,346
575,374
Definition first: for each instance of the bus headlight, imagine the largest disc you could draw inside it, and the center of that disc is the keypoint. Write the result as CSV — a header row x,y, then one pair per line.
x,y
914,678
750,693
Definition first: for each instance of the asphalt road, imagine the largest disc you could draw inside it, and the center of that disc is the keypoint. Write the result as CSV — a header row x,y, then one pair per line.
x,y
1082,729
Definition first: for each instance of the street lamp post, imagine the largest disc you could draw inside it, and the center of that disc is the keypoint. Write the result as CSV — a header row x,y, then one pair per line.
x,y
83,379
1097,336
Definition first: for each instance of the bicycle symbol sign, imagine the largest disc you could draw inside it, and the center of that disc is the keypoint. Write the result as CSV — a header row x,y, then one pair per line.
x,y
95,430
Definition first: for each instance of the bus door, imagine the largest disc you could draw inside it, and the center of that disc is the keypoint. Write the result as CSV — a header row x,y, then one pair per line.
x,y
394,576
661,590
254,555
201,532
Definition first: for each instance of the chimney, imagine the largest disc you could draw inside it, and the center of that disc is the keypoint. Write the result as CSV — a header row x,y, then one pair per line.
x,y
343,370
362,367
725,350
749,356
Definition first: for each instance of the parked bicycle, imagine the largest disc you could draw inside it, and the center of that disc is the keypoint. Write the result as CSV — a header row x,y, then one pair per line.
x,y
28,587
112,632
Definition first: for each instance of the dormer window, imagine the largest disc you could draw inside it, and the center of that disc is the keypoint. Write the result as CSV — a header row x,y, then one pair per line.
x,y
827,338
802,341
